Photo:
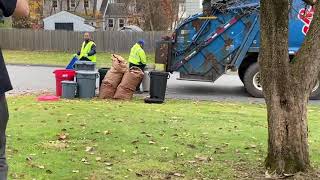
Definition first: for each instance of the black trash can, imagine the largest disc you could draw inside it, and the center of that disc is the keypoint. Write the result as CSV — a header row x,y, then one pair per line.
x,y
102,72
158,86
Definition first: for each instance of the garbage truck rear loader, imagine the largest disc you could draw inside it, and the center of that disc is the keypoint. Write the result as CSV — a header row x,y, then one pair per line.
x,y
226,36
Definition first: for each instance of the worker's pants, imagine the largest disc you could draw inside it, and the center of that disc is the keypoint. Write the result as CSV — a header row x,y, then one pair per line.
x,y
141,66
4,116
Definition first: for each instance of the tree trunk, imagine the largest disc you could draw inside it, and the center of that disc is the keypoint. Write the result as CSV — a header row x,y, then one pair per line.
x,y
150,9
94,8
287,87
61,5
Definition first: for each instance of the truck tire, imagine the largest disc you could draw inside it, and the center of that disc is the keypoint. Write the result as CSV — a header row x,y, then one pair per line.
x,y
254,88
315,95
251,81
241,75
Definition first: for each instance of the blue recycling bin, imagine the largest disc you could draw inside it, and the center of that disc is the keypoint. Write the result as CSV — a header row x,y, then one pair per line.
x,y
72,63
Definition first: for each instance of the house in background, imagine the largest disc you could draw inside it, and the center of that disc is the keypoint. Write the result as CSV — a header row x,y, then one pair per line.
x,y
66,21
119,13
115,16
84,7
87,9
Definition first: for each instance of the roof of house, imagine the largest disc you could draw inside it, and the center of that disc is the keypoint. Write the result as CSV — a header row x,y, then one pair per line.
x,y
64,14
116,9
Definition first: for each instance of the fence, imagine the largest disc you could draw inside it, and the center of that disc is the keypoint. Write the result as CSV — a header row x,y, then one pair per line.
x,y
107,41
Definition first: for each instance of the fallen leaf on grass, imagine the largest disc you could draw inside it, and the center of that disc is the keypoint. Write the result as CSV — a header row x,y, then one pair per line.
x,y
109,168
63,136
191,146
135,141
75,171
107,132
139,174
252,146
135,152
152,142
179,175
29,158
98,158
68,115
179,154
57,145
40,167
165,148
203,158
108,164
89,149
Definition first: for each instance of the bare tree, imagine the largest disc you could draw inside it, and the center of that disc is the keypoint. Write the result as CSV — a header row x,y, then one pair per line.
x,y
95,2
287,85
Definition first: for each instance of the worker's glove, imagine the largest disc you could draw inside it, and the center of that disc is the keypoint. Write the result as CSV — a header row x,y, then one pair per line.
x,y
75,55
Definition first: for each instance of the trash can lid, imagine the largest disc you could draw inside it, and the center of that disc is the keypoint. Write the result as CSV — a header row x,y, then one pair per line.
x,y
87,72
69,82
158,73
85,62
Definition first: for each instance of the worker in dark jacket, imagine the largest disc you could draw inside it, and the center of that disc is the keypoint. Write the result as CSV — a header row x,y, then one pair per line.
x,y
88,49
7,8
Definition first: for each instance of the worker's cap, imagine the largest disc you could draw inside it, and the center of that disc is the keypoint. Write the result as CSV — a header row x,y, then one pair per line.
x,y
141,41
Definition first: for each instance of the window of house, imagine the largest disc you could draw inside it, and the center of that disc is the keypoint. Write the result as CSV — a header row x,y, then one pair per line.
x,y
72,3
121,23
54,3
86,3
111,23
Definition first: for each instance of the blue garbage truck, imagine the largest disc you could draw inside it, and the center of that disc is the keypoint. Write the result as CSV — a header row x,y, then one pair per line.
x,y
226,36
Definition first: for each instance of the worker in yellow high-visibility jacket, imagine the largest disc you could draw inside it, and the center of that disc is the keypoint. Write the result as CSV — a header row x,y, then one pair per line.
x,y
138,57
88,49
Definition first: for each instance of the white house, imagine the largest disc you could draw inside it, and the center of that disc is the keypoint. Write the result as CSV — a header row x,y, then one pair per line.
x,y
66,21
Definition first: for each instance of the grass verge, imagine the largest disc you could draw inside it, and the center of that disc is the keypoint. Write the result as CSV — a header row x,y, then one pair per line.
x,y
133,140
57,58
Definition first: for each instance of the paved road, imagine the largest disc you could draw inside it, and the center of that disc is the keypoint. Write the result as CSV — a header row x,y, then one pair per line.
x,y
228,87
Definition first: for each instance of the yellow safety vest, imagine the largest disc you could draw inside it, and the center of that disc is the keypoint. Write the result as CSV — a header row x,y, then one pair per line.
x,y
85,49
137,55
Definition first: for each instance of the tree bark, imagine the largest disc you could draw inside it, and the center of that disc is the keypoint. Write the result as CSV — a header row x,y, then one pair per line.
x,y
287,87
94,8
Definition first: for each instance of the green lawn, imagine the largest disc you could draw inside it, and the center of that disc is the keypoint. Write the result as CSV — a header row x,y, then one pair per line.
x,y
133,140
57,58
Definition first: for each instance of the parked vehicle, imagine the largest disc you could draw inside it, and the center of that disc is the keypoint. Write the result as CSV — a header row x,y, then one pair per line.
x,y
226,36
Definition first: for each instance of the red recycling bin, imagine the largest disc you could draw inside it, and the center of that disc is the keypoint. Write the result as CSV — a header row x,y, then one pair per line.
x,y
63,75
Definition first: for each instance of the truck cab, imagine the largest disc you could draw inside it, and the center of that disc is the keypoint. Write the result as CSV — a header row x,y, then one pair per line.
x,y
226,36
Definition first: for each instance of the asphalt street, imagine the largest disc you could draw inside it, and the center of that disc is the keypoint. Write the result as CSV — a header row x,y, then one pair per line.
x,y
27,79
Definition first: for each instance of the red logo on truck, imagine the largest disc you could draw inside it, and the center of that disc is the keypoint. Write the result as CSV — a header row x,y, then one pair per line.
x,y
306,16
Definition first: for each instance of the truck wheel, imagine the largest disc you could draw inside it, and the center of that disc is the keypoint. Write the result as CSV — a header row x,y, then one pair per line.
x,y
315,95
241,74
252,81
